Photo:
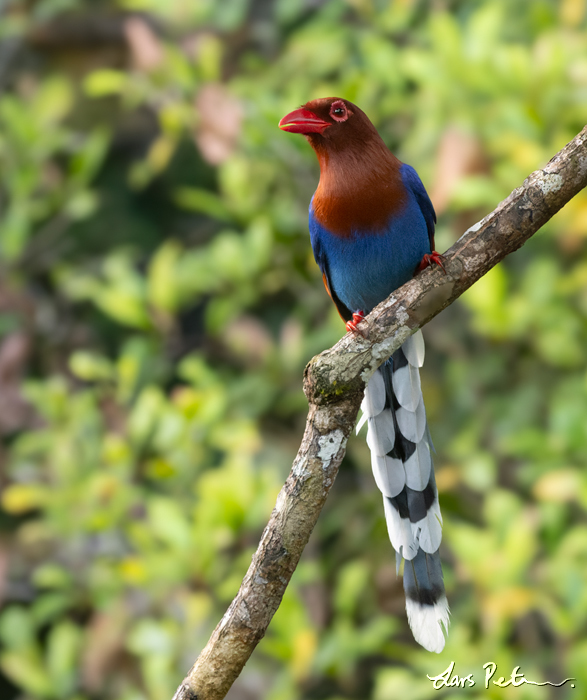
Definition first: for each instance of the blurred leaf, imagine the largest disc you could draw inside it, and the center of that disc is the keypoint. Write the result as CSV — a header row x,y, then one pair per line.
x,y
63,646
559,487
398,681
168,523
202,201
146,412
90,367
81,205
352,581
21,498
26,670
163,291
16,229
53,101
487,301
17,630
105,82
150,636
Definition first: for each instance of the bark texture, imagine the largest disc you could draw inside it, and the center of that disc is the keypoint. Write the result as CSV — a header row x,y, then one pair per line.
x,y
334,382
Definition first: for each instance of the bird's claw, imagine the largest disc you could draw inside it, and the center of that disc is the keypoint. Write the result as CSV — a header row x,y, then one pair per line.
x,y
351,325
431,258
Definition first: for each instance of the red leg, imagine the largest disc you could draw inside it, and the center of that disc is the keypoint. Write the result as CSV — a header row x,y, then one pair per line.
x,y
428,259
351,325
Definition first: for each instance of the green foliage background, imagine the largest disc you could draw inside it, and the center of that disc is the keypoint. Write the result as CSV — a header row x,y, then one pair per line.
x,y
159,302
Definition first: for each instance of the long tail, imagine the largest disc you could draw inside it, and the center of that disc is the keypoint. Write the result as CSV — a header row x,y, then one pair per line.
x,y
400,445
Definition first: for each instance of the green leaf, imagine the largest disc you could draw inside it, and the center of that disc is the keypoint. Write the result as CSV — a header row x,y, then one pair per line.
x,y
90,366
105,81
63,649
169,523
17,629
203,201
163,289
53,101
151,637
26,670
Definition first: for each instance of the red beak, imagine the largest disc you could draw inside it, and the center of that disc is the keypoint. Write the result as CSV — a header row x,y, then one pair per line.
x,y
302,121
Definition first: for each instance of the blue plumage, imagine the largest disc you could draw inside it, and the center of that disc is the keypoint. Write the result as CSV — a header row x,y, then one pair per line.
x,y
412,181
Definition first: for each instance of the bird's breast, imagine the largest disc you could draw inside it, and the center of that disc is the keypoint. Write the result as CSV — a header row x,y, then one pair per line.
x,y
344,211
366,263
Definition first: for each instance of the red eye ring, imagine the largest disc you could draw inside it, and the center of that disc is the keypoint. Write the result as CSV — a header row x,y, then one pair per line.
x,y
338,111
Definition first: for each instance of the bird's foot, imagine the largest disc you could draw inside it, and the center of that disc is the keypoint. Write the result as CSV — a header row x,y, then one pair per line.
x,y
351,325
429,259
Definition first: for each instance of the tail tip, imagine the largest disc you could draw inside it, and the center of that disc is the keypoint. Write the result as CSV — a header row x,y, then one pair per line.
x,y
429,623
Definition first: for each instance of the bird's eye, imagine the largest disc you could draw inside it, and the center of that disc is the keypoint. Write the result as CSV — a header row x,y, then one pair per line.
x,y
338,111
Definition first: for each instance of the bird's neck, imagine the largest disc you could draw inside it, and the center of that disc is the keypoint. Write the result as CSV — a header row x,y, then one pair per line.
x,y
359,189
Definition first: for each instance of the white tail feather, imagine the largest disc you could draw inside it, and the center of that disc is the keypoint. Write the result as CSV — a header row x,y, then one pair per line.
x,y
389,474
381,433
418,467
400,532
425,623
428,531
374,401
361,423
414,350
412,424
406,386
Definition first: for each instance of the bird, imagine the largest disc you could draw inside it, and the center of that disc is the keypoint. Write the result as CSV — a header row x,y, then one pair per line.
x,y
372,226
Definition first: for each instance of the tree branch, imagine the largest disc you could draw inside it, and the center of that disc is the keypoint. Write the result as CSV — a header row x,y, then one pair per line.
x,y
334,383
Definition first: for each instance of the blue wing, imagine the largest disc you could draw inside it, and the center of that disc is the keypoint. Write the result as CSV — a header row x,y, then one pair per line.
x,y
412,181
322,260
